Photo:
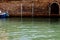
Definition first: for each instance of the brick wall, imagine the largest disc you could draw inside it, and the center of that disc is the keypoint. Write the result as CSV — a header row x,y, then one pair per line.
x,y
14,7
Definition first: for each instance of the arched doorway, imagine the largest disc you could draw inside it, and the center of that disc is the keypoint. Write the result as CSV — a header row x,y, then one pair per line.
x,y
54,8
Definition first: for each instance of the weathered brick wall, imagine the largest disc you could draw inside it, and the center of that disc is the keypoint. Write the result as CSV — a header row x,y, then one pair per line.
x,y
14,7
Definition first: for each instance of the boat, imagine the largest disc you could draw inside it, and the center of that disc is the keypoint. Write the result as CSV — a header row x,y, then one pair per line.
x,y
3,14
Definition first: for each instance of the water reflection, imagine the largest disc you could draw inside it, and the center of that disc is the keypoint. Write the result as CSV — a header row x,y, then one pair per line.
x,y
3,34
54,20
42,28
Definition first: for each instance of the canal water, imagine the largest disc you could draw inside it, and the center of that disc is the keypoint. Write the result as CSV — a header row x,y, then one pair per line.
x,y
30,29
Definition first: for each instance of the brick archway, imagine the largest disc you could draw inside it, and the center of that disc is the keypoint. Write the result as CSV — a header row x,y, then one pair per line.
x,y
54,8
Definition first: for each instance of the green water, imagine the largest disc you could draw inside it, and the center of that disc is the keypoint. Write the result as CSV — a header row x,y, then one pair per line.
x,y
30,29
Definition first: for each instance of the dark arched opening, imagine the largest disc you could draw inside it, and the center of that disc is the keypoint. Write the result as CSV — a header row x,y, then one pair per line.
x,y
54,8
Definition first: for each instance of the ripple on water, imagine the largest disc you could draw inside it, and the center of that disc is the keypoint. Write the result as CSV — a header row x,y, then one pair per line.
x,y
3,34
40,30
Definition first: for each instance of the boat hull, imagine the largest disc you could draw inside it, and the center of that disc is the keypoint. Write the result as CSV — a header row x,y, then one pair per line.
x,y
3,16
